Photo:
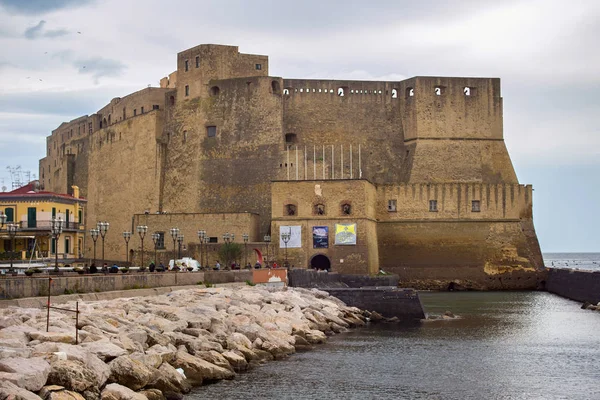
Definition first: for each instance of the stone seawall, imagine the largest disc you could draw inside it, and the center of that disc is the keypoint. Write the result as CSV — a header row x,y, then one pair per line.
x,y
19,287
575,285
308,278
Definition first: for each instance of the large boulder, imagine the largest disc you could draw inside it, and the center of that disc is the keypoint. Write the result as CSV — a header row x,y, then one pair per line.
x,y
10,391
59,337
198,370
216,358
236,359
169,380
114,391
55,392
31,373
104,350
165,352
73,375
129,372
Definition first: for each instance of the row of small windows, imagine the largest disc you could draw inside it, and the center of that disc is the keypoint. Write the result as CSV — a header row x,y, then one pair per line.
x,y
187,64
433,206
318,209
410,92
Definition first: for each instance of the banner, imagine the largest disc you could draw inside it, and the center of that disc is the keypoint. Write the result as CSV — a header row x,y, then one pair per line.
x,y
345,234
295,241
320,237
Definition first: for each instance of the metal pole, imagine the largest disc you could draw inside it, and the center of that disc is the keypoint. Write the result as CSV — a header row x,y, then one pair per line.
x,y
12,253
245,254
142,251
94,251
56,253
127,251
76,322
201,259
48,305
102,250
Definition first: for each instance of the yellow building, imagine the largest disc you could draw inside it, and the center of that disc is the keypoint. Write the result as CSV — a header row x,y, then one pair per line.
x,y
32,211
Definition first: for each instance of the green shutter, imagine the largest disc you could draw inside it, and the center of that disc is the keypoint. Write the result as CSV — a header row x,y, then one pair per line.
x,y
67,245
66,218
80,217
10,214
31,217
53,251
53,212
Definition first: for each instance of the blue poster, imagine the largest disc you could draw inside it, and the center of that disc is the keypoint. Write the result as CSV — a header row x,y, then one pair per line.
x,y
320,237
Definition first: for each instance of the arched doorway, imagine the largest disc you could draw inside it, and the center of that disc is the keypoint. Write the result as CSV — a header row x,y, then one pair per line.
x,y
320,262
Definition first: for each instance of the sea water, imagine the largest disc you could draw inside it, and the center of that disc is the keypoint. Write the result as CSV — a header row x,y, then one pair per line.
x,y
505,345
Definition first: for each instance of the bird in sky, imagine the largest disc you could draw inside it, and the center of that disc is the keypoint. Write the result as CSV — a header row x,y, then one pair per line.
x,y
40,80
79,32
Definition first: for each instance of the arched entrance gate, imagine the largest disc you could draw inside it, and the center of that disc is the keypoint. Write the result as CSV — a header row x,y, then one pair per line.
x,y
321,262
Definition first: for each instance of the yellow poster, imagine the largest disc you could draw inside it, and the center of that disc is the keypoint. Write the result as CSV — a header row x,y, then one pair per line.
x,y
345,234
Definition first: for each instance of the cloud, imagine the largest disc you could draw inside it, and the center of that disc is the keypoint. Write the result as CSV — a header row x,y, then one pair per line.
x,y
38,31
35,7
100,67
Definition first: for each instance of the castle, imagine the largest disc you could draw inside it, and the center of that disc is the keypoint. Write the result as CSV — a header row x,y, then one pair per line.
x,y
411,177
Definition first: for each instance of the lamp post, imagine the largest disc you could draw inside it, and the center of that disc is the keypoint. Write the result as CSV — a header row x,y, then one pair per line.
x,y
267,240
228,238
56,227
127,237
102,228
94,233
174,235
179,242
245,237
2,219
12,232
201,237
141,230
155,239
286,238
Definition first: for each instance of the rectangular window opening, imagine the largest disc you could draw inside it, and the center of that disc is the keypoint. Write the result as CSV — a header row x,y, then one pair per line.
x,y
186,66
197,61
258,66
433,206
392,205
187,90
476,206
211,131
142,110
155,107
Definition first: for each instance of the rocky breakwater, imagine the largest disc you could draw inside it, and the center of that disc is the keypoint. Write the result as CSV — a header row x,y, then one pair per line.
x,y
159,347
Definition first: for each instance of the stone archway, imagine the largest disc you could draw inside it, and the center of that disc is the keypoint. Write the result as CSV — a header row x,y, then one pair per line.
x,y
320,262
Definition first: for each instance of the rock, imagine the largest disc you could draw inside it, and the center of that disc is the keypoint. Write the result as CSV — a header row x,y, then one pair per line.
x,y
150,360
216,358
59,337
157,338
166,353
10,391
449,314
236,360
375,316
34,371
11,320
104,350
130,372
313,336
114,391
301,344
55,392
152,394
169,380
198,370
73,375
11,352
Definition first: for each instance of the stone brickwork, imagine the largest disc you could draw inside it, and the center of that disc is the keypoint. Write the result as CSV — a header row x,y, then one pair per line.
x,y
221,137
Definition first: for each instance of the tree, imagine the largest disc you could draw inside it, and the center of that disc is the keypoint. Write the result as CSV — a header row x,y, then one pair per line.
x,y
229,252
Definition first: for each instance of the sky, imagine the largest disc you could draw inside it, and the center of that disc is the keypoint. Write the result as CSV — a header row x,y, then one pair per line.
x,y
62,59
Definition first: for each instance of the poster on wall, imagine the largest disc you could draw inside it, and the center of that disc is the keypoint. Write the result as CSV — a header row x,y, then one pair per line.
x,y
295,232
345,234
320,237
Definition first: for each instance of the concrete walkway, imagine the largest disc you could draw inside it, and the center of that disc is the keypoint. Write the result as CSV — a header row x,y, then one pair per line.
x,y
40,302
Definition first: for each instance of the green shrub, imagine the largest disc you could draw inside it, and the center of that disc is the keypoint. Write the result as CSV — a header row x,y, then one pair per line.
x,y
250,283
208,284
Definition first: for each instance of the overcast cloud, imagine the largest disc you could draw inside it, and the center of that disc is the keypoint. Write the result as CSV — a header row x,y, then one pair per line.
x,y
87,52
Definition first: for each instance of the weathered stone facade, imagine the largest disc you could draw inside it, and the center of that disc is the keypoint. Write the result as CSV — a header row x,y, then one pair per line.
x,y
421,162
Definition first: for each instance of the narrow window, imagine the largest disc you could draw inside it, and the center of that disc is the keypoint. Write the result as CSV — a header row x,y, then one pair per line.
x,y
341,91
187,90
286,91
319,209
470,91
275,87
258,66
124,113
172,100
394,93
211,131
476,206
186,66
291,138
433,205
346,209
155,106
142,110
184,136
134,112
90,127
290,209
214,91
392,205
439,90
410,92
197,61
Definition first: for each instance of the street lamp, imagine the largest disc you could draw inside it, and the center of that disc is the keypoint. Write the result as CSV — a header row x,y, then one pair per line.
x,y
141,230
174,235
94,233
155,239
56,227
2,219
102,228
180,242
201,236
286,238
245,237
127,237
228,238
267,240
12,232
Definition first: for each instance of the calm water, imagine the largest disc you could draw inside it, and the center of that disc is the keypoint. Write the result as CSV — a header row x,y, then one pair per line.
x,y
508,345
584,261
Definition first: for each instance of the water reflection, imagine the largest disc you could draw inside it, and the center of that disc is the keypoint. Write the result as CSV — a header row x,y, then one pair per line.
x,y
506,346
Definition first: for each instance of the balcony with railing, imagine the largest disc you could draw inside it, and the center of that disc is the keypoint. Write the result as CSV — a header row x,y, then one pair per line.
x,y
46,226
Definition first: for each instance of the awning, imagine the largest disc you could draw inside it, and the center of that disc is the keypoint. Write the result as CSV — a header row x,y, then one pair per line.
x,y
16,237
